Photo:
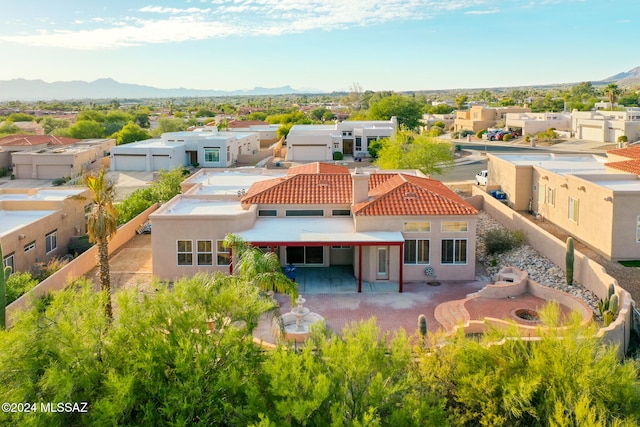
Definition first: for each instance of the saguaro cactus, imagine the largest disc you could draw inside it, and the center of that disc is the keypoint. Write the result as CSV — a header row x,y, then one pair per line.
x,y
569,260
422,324
4,276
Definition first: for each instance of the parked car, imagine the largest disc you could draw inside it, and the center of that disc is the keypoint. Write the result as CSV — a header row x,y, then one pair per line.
x,y
499,195
482,177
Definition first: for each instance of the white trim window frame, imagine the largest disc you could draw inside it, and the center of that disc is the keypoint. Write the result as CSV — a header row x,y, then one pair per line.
x,y
51,241
204,252
455,252
454,226
223,255
574,209
10,261
418,252
184,252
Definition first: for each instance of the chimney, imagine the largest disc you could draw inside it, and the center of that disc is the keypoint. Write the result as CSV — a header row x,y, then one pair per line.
x,y
360,186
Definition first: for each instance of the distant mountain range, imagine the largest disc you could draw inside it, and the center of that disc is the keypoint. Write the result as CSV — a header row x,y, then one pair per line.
x,y
36,90
32,90
630,78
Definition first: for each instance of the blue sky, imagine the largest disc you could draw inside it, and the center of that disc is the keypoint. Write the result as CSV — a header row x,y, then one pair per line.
x,y
320,44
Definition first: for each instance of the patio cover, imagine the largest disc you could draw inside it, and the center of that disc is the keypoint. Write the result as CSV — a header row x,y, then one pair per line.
x,y
302,231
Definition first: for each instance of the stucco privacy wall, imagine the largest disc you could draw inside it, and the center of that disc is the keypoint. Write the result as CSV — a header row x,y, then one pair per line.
x,y
78,267
587,272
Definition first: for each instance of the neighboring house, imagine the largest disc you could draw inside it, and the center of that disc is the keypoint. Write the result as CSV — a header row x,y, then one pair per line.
x,y
267,133
207,147
606,126
429,119
319,142
389,226
24,142
481,117
63,161
37,224
592,198
534,123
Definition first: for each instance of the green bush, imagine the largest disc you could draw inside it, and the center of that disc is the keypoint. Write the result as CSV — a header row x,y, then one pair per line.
x,y
480,133
506,137
79,245
3,172
18,285
435,131
623,138
61,181
337,155
499,240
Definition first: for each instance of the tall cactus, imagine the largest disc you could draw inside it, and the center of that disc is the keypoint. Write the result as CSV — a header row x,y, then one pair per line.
x,y
569,260
4,276
613,305
422,324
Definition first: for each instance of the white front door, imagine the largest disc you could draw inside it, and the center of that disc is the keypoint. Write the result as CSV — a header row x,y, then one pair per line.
x,y
383,263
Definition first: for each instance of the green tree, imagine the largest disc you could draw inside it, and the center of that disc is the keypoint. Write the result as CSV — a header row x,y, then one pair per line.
x,y
612,91
318,113
461,100
49,124
91,115
405,108
86,129
410,151
20,117
169,125
131,133
102,225
283,130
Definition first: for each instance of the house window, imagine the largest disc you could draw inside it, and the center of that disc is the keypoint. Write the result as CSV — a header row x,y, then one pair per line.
x,y
10,261
341,247
341,212
638,230
574,205
51,241
212,155
454,226
416,251
30,246
541,191
417,227
267,212
358,143
336,146
304,212
185,252
224,254
454,251
551,196
228,154
204,252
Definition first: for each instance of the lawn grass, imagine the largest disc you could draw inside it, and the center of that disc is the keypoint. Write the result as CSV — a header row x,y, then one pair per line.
x,y
634,263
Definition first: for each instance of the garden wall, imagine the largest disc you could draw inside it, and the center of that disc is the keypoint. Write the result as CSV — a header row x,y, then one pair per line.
x,y
587,272
78,267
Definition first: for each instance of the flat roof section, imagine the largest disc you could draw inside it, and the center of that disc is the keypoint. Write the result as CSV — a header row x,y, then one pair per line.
x,y
630,186
47,195
562,164
11,221
314,230
189,206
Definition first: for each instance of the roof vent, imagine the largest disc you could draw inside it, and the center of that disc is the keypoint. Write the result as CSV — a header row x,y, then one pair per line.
x,y
323,183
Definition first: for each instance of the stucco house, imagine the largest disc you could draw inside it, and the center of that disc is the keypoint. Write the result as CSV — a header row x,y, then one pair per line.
x,y
480,117
594,199
533,123
24,142
37,224
207,147
389,226
319,142
606,126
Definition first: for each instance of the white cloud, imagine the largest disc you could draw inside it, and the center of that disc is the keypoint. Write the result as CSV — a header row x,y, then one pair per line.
x,y
224,18
482,12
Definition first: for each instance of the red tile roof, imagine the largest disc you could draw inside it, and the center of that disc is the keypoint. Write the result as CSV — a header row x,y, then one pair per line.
x,y
629,166
29,140
630,152
412,195
318,168
389,193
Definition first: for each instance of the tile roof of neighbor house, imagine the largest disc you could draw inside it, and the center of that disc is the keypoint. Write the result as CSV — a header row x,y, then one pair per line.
x,y
413,195
389,193
630,166
630,152
29,140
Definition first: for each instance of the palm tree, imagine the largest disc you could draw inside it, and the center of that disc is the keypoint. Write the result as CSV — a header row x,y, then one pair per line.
x,y
261,269
102,224
612,91
5,272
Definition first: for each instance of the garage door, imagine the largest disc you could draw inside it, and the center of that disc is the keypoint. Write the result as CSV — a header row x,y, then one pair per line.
x,y
52,171
160,162
591,133
128,162
310,152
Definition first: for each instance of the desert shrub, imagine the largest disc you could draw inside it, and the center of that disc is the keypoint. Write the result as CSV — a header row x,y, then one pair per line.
x,y
3,172
499,240
440,124
61,181
18,285
623,138
337,155
506,137
480,133
79,245
41,270
435,131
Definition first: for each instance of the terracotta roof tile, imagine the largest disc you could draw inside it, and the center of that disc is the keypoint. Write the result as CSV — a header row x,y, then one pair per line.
x,y
302,189
29,140
318,168
629,166
630,152
411,195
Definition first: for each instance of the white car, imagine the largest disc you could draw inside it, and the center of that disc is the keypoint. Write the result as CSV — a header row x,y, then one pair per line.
x,y
482,177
